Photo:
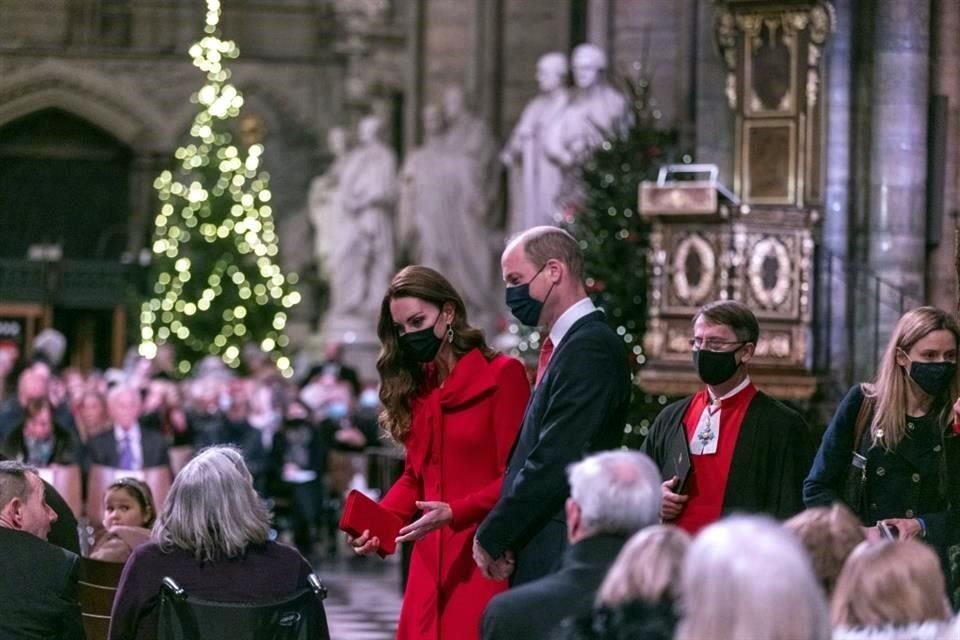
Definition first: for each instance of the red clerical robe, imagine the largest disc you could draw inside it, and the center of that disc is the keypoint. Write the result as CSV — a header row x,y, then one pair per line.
x,y
460,439
708,482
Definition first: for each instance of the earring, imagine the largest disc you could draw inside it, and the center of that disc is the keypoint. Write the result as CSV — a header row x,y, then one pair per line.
x,y
450,334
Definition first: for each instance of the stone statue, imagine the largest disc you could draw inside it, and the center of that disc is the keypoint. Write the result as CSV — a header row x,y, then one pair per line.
x,y
469,136
535,179
326,212
442,213
363,259
596,112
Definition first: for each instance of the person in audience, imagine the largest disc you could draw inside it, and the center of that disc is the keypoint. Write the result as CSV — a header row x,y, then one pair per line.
x,y
730,447
613,495
38,581
898,432
163,411
39,441
126,445
128,514
640,594
746,577
828,534
64,531
579,404
33,384
456,405
90,414
890,590
212,537
265,415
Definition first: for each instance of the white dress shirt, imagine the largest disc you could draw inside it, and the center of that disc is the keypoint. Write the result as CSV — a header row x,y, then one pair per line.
x,y
568,318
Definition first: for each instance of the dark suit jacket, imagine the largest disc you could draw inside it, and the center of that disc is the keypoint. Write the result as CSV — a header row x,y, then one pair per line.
x,y
102,449
772,456
66,448
63,532
38,589
537,609
579,407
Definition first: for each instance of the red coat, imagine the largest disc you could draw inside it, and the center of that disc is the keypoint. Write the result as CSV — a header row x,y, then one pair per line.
x,y
460,440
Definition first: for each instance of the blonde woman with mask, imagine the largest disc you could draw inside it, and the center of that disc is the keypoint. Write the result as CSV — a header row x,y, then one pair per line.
x,y
892,451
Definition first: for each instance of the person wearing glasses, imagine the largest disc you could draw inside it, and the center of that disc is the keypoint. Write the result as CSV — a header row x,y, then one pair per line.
x,y
729,447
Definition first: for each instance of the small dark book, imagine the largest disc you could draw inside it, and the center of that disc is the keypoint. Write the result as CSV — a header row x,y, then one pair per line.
x,y
360,514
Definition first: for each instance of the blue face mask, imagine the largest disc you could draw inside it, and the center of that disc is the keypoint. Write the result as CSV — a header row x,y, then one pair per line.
x,y
524,307
337,410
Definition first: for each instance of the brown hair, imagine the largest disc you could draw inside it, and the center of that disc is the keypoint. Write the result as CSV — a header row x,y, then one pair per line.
x,y
543,243
35,407
890,583
401,378
829,534
648,568
139,491
733,314
889,389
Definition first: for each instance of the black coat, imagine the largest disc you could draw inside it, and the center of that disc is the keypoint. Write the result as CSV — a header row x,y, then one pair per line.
x,y
66,447
579,407
63,532
770,460
102,449
537,609
914,480
38,589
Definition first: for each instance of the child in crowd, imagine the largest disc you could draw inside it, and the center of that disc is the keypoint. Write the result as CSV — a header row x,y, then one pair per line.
x,y
128,514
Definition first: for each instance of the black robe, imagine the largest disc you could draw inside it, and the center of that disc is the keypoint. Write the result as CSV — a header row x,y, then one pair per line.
x,y
773,454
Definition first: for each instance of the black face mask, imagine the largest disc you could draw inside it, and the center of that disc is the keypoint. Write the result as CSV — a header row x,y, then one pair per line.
x,y
524,307
715,367
933,377
422,345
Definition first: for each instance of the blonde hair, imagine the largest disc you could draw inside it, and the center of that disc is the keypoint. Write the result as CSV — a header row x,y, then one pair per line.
x,y
212,510
889,390
647,568
745,577
890,583
829,535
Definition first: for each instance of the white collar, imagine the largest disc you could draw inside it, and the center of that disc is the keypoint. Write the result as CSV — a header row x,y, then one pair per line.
x,y
740,387
568,318
133,432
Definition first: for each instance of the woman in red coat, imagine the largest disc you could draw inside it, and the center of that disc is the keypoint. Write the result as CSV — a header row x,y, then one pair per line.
x,y
456,405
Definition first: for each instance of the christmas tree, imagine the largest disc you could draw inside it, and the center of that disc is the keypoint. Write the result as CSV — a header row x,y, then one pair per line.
x,y
217,284
614,237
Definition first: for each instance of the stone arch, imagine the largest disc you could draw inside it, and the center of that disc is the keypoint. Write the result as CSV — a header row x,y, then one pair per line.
x,y
109,103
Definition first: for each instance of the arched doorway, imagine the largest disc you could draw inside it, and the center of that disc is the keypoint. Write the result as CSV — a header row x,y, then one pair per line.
x,y
64,213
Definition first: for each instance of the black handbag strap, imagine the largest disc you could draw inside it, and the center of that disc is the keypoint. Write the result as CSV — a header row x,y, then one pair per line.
x,y
864,414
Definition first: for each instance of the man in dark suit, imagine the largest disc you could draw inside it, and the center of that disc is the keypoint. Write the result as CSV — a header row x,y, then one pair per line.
x,y
578,406
729,447
38,589
613,495
63,530
127,446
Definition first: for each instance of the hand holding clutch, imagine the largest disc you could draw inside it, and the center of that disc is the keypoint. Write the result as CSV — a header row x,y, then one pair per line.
x,y
367,522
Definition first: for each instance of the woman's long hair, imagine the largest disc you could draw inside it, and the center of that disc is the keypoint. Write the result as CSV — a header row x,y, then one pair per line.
x,y
401,377
212,510
889,389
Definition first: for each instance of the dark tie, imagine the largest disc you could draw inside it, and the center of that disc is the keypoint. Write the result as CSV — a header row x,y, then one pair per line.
x,y
126,453
546,350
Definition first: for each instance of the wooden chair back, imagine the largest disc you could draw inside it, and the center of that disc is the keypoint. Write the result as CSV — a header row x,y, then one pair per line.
x,y
97,588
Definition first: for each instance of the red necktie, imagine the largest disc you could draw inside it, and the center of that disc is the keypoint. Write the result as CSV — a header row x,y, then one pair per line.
x,y
546,350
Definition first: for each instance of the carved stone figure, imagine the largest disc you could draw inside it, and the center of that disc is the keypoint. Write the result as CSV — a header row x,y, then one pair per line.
x,y
535,179
324,202
442,213
596,112
363,259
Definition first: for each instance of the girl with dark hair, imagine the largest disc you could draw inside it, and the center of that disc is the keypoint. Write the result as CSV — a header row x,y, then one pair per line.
x,y
456,405
128,514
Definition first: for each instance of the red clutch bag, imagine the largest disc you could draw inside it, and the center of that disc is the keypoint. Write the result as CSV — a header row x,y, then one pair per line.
x,y
360,514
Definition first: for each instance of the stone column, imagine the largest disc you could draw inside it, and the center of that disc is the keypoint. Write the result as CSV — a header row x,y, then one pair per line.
x,y
898,154
715,121
833,284
941,268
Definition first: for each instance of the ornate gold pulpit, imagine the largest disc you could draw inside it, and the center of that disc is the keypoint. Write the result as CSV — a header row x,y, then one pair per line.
x,y
754,244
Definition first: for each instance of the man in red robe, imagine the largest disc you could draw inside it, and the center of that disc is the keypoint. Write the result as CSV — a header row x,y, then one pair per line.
x,y
729,447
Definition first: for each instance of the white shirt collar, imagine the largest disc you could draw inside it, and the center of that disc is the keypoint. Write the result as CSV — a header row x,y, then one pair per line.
x,y
133,433
740,387
568,318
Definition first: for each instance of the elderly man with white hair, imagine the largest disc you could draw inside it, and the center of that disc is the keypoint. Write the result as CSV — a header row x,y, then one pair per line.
x,y
613,495
127,446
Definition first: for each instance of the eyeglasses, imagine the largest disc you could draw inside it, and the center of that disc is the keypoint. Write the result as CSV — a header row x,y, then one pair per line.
x,y
713,344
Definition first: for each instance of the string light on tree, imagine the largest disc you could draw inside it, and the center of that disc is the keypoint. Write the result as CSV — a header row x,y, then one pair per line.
x,y
216,285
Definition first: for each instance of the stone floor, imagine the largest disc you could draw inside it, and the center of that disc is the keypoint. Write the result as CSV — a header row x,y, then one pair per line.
x,y
364,597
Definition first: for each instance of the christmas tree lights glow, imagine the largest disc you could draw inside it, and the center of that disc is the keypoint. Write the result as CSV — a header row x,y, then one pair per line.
x,y
217,283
